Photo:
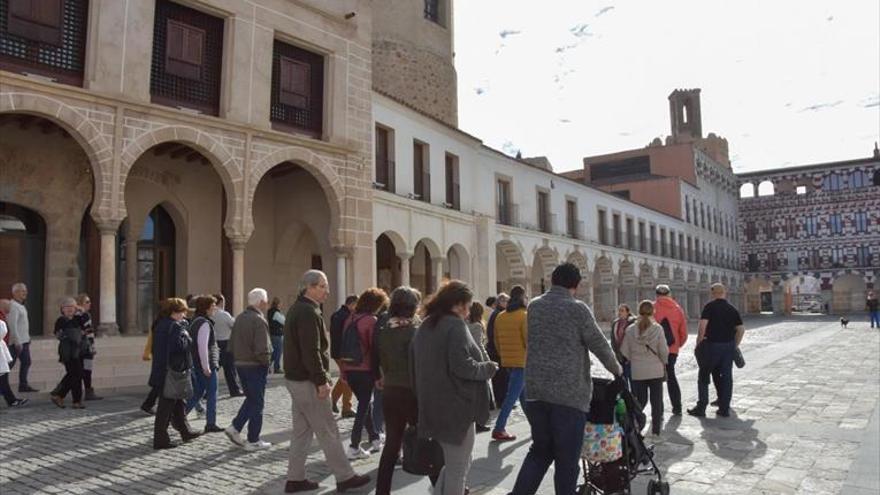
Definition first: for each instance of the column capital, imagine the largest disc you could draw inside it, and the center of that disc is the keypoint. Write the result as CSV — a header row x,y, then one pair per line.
x,y
404,256
108,226
342,251
238,243
438,259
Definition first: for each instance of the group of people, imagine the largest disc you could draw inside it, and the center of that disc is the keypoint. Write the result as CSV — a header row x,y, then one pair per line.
x,y
76,348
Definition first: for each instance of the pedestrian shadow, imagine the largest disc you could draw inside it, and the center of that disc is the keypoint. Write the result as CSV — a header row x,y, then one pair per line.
x,y
733,439
674,448
496,452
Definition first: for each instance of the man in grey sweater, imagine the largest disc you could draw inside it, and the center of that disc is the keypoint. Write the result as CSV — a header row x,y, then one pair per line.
x,y
562,334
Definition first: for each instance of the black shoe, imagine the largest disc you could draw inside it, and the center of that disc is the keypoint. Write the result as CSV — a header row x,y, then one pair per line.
x,y
213,429
714,403
335,411
163,446
300,486
482,428
348,414
723,414
697,411
676,411
237,394
189,437
150,411
27,388
355,481
18,402
90,394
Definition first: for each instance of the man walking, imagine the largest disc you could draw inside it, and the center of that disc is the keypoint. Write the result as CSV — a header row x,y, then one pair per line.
x,y
873,309
252,352
562,333
669,314
721,331
307,373
223,322
499,380
337,325
20,336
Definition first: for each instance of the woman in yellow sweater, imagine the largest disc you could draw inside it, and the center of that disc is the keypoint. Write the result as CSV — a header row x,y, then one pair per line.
x,y
510,339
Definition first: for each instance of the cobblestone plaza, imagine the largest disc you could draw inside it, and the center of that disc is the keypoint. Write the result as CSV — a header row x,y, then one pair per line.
x,y
806,420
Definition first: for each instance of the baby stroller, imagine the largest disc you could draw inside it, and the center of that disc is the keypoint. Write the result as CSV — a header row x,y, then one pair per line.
x,y
614,451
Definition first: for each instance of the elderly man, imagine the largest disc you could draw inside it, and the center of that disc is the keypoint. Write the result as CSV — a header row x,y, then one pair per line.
x,y
19,335
5,358
307,373
251,351
721,331
669,314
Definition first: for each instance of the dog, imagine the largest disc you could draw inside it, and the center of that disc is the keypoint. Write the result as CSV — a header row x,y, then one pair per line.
x,y
843,322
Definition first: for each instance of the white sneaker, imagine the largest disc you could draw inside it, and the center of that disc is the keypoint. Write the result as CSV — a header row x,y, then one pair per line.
x,y
357,453
376,446
200,414
258,445
234,436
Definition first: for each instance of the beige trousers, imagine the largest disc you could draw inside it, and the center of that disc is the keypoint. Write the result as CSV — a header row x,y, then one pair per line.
x,y
313,417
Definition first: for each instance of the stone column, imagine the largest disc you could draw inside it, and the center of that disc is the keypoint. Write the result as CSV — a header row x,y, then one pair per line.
x,y
107,319
438,272
340,277
404,268
238,291
131,276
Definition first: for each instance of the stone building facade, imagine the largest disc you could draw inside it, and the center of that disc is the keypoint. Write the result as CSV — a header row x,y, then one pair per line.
x,y
810,236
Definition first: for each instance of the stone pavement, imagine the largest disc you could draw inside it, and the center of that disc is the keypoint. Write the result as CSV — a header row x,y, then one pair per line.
x,y
806,421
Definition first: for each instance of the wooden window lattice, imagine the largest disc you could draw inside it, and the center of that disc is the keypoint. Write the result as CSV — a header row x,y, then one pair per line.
x,y
45,37
187,58
297,89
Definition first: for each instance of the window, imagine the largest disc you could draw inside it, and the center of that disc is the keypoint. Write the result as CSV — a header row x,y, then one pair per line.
x,y
187,58
753,264
768,229
432,11
790,228
771,261
297,90
837,257
653,230
45,37
453,189
690,249
663,244
505,209
859,178
643,245
864,256
544,221
421,172
835,224
571,219
672,245
750,230
702,216
630,234
687,210
801,190
811,225
680,247
615,222
385,171
861,219
603,228
815,259
832,182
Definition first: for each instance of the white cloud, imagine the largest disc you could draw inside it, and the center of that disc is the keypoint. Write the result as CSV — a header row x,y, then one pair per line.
x,y
760,66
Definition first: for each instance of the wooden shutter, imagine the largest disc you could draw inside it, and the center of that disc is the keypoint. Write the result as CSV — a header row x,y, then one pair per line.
x,y
294,83
37,20
426,182
456,187
184,50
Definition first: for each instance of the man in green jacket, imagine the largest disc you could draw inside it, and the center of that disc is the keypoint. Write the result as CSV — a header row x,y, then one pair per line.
x,y
307,373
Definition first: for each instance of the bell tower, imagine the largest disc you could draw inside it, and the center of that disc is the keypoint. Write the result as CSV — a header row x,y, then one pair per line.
x,y
684,114
413,55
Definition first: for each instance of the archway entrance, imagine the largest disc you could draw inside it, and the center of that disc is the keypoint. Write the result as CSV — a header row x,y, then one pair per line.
x,y
457,264
510,268
23,256
388,266
848,294
425,267
803,294
604,295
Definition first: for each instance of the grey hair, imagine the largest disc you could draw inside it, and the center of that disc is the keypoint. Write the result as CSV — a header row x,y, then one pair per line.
x,y
68,301
256,296
503,297
18,286
311,278
404,302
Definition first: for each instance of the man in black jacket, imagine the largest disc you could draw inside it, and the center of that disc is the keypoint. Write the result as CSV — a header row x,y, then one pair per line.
x,y
337,324
499,381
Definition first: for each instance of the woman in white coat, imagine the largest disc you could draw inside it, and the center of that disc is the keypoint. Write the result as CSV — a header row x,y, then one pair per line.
x,y
644,345
5,359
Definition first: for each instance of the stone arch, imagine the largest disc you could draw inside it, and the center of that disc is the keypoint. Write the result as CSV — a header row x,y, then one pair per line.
x,y
647,281
457,264
96,147
510,265
758,291
400,246
766,188
604,293
747,190
663,275
222,161
583,290
543,264
332,185
848,293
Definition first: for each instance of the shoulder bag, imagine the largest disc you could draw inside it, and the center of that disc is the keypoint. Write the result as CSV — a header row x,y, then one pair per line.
x,y
178,384
421,456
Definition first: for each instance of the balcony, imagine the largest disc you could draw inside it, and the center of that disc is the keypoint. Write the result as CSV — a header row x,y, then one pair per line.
x,y
508,214
575,230
547,223
386,171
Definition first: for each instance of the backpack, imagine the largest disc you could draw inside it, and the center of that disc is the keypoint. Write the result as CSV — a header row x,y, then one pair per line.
x,y
667,331
350,350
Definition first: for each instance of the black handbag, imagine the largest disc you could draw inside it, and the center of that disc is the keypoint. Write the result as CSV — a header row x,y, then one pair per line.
x,y
421,456
738,358
178,384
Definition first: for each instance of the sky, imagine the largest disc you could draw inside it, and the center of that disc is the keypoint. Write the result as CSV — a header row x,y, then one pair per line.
x,y
786,82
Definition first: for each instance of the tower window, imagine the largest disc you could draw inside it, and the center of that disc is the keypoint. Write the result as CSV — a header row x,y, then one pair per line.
x,y
432,11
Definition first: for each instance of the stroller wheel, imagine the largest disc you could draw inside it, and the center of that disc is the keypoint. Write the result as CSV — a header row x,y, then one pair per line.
x,y
664,488
658,488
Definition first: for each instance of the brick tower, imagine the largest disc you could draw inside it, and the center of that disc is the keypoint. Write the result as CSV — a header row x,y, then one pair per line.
x,y
684,114
413,57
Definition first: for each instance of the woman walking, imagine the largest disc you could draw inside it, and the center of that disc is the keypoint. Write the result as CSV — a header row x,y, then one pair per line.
x,y
399,403
644,345
83,306
276,333
69,332
624,319
359,374
511,337
206,360
478,332
451,381
171,351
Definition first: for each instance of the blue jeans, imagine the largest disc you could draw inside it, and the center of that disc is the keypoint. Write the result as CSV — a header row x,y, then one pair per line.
x,y
717,361
557,437
361,383
875,319
25,357
196,399
378,414
515,387
277,347
205,386
253,380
